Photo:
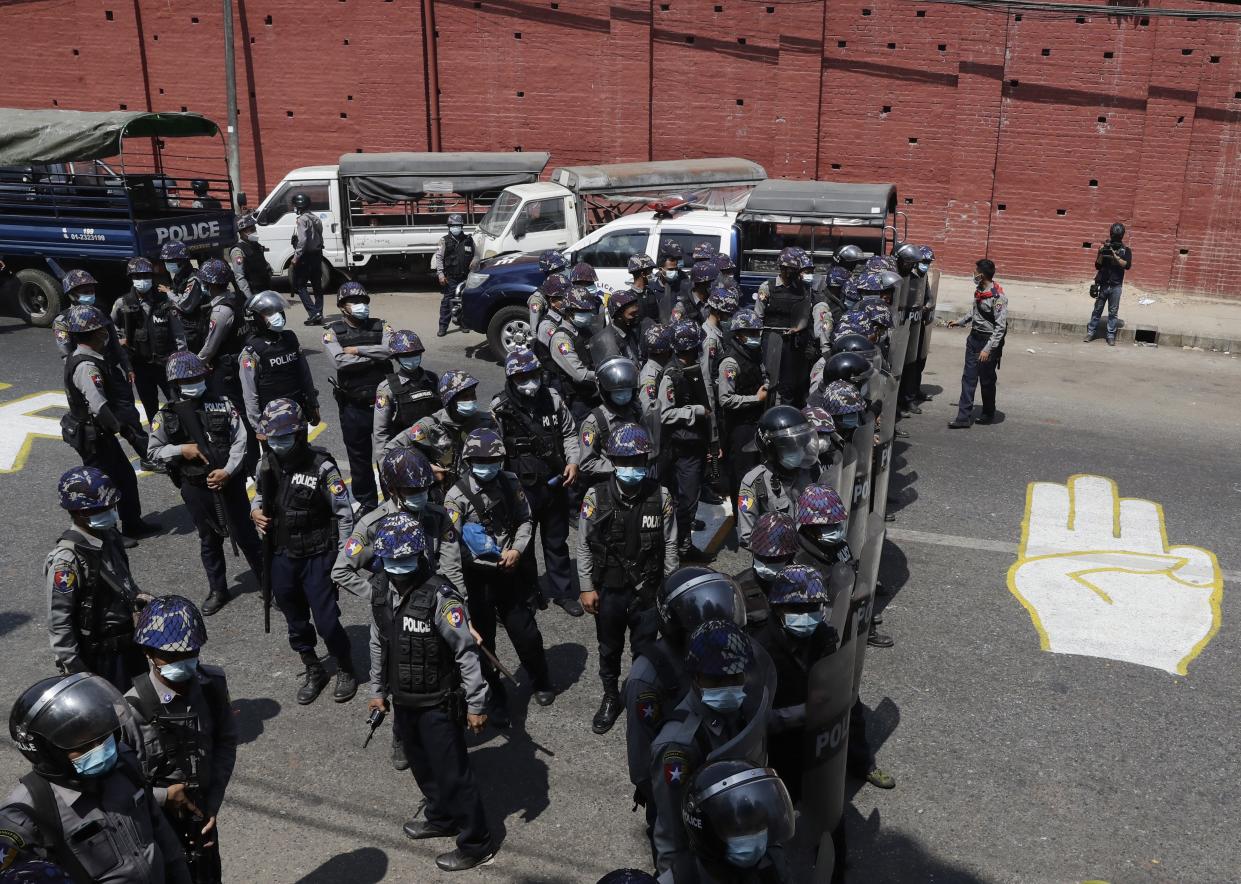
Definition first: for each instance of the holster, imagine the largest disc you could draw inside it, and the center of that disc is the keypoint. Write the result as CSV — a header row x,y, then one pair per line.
x,y
79,434
454,705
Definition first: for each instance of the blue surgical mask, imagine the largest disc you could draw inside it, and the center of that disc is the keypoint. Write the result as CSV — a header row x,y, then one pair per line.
x,y
467,406
281,445
791,460
410,363
832,533
406,565
414,502
485,472
360,311
807,278
194,390
726,699
630,475
847,421
142,286
622,397
276,321
583,319
924,268
746,851
752,343
102,521
181,670
97,761
671,275
86,298
456,230
803,625
529,388
173,267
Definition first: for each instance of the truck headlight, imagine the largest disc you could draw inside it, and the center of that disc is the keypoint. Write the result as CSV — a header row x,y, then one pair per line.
x,y
475,280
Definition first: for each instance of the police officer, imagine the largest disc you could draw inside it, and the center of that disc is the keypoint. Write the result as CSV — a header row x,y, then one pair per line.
x,y
96,393
1110,264
582,276
91,596
827,443
84,802
571,352
551,263
923,315
848,256
773,543
202,195
187,293
618,385
227,331
669,283
307,267
704,253
489,509
451,262
727,273
686,430
273,365
553,290
622,336
741,394
540,443
427,665
183,729
358,347
202,442
626,546
251,272
783,305
658,346
441,436
150,331
640,268
984,347
306,513
406,395
783,441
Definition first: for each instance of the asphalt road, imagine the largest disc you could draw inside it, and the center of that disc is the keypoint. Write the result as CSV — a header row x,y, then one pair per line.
x,y
1012,763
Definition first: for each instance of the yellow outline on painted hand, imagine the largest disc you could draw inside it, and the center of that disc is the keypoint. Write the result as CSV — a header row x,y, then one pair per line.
x,y
1098,577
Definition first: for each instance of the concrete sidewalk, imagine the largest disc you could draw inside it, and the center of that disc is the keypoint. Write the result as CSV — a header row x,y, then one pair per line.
x,y
1147,317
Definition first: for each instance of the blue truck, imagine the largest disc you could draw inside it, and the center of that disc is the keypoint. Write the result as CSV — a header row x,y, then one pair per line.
x,y
91,190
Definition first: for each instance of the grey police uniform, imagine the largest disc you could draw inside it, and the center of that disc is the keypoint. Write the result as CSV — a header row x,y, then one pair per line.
x,y
765,491
273,366
401,400
441,437
593,438
356,570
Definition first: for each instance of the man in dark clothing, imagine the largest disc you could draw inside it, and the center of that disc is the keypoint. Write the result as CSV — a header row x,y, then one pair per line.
x,y
1113,260
451,263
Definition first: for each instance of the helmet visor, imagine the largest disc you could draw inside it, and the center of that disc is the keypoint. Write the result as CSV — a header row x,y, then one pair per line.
x,y
792,441
711,597
748,803
79,714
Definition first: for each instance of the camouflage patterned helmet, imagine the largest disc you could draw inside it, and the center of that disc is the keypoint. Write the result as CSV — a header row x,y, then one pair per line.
x,y
86,488
774,536
798,585
455,219
848,255
849,291
628,440
453,382
75,279
281,417
717,649
399,536
555,286
841,397
640,264
83,318
215,272
37,871
870,282
926,253
703,273
139,266
670,248
247,221
877,312
582,299
807,262
171,623
686,336
583,274
403,468
820,418
704,251
620,300
483,443
723,300
877,263
551,261
820,505
405,342
520,361
352,291
853,323
658,340
790,258
745,319
724,264
837,277
174,251
184,365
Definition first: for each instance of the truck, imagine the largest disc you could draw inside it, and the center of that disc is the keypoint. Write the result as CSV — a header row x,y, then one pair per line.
x,y
90,190
388,210
818,216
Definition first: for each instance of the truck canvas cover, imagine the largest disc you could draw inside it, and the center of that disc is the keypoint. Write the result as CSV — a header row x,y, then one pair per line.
x,y
660,176
394,177
65,136
800,202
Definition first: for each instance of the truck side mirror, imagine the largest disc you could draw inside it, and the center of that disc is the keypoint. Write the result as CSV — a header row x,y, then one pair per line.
x,y
520,226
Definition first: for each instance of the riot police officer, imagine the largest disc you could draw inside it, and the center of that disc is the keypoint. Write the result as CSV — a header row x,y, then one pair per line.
x,y
201,440
741,391
150,331
451,263
727,270
490,510
622,336
227,331
773,544
273,365
84,801
640,268
91,597
783,305
848,256
783,441
183,729
441,436
626,546
571,352
406,395
658,341
187,293
81,289
357,344
202,195
307,267
251,272
99,410
553,291
686,430
669,283
540,443
618,384
306,514
426,664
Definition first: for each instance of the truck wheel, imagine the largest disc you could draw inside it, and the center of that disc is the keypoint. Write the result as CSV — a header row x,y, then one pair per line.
x,y
39,297
509,330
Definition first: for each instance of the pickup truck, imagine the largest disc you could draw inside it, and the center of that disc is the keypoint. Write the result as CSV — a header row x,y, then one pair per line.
x,y
818,216
62,207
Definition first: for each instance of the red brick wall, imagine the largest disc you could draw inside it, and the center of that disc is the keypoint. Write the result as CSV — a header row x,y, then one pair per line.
x,y
1019,138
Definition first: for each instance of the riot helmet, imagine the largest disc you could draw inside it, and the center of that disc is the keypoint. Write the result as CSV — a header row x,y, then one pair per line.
x,y
300,202
691,596
618,380
735,812
783,437
269,307
63,714
848,256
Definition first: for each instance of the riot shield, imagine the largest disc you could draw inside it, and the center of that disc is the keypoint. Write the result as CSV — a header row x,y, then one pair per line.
x,y
773,344
898,337
760,691
604,345
928,314
884,385
858,499
864,592
913,308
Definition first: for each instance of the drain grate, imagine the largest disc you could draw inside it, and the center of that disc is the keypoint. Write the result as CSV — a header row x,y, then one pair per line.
x,y
1147,336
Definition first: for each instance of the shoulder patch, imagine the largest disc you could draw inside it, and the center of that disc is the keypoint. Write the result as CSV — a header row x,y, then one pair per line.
x,y
156,423
730,374
95,377
62,336
675,767
588,506
565,347
745,501
647,707
353,546
454,512
64,580
671,395
649,390
588,437
337,487
381,401
211,326
454,614
247,361
328,337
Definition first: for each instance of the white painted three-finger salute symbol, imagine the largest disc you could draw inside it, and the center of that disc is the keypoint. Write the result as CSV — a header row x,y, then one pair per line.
x,y
1099,579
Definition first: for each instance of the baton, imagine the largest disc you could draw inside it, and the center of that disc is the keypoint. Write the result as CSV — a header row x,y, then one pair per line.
x,y
495,661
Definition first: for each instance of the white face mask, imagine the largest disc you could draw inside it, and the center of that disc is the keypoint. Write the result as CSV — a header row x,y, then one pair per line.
x,y
173,267
142,286
360,311
455,230
529,388
194,390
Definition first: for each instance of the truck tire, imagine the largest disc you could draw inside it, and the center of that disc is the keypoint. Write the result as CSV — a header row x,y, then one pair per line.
x,y
509,330
39,297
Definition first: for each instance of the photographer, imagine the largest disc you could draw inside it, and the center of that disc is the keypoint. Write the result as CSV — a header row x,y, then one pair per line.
x,y
1113,260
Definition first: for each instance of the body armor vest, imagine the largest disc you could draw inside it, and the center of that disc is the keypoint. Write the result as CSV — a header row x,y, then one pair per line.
x,y
149,334
626,540
458,254
688,389
104,611
277,372
749,380
421,666
254,266
531,436
114,384
305,524
358,383
213,415
412,399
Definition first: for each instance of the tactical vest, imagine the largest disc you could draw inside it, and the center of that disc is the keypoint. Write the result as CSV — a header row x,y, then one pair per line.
x,y
531,434
421,666
305,523
541,346
240,331
114,385
581,346
357,383
608,416
626,540
757,608
103,611
277,373
213,414
648,304
148,334
254,266
786,307
195,312
458,254
688,388
793,659
747,383
184,747
494,508
412,400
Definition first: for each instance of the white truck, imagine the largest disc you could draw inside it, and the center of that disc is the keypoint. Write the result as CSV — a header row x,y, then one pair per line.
x,y
382,209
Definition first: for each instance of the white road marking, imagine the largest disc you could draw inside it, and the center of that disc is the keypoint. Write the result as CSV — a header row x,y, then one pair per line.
x,y
20,425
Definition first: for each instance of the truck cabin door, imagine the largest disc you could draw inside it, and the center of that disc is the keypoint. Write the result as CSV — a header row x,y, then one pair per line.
x,y
277,221
541,224
609,254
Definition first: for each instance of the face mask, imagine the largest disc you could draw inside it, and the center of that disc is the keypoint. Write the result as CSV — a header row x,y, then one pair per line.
x,y
281,445
630,475
142,286
466,406
87,298
751,343
455,230
725,699
977,279
621,397
747,850
767,570
583,320
360,311
102,521
924,269
414,502
832,533
181,670
410,363
847,421
173,267
485,472
672,275
194,390
530,387
807,278
251,236
401,566
276,321
802,625
791,460
97,761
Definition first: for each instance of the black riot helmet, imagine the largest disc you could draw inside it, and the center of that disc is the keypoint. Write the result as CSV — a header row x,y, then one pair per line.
x,y
63,713
907,257
1117,233
848,256
734,813
199,186
617,373
300,201
861,345
693,595
783,436
852,367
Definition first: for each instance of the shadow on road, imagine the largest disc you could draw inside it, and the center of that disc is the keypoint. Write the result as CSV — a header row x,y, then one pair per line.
x,y
516,768
362,866
893,574
251,713
566,662
877,854
359,644
10,620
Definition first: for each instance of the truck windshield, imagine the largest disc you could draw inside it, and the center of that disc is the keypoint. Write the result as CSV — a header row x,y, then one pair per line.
x,y
500,214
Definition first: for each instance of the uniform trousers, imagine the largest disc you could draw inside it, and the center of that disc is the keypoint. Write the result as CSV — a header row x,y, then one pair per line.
x,y
620,610
356,422
507,597
150,380
201,502
302,589
107,456
550,510
307,273
687,464
978,374
448,293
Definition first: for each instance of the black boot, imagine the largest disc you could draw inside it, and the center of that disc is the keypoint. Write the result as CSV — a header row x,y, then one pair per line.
x,y
399,761
609,711
216,599
346,686
315,679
